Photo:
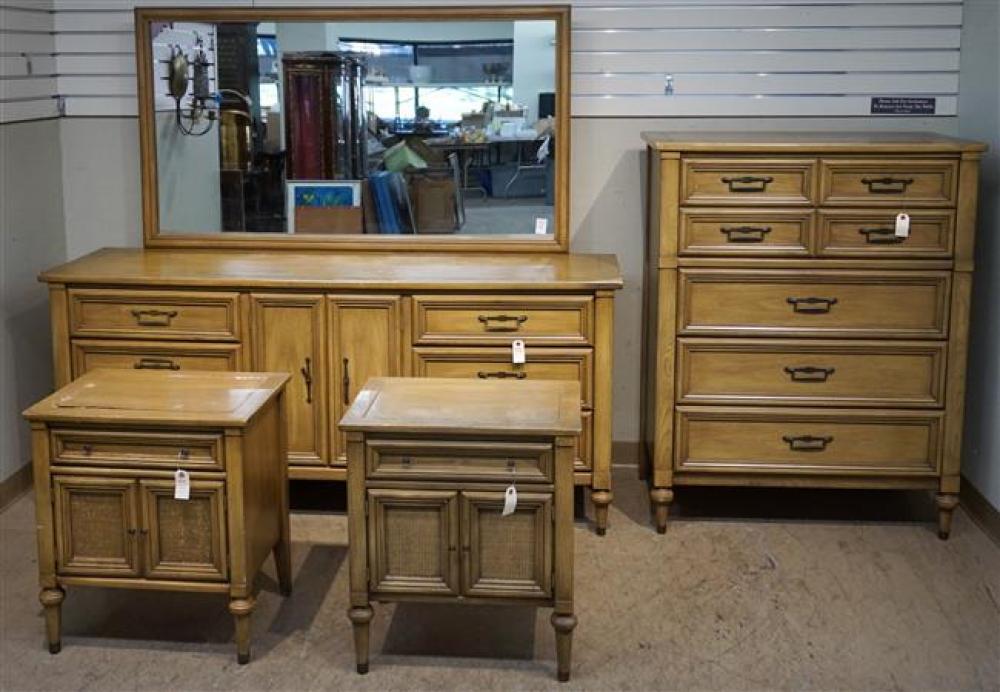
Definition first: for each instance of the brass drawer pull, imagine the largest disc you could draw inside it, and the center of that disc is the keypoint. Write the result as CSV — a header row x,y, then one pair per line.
x,y
887,185
306,371
811,305
156,364
808,373
87,450
807,443
406,461
184,454
345,384
505,322
154,318
501,374
748,183
881,236
745,234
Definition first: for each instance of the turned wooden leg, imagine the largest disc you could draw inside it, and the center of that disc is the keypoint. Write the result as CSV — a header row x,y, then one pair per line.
x,y
52,600
946,502
602,501
563,623
241,608
360,617
661,499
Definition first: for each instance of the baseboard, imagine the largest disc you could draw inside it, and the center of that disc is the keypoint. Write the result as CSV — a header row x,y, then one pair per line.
x,y
625,453
986,516
14,486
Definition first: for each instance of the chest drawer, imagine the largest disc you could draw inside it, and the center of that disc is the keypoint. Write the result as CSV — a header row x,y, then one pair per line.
x,y
810,373
553,320
501,461
737,440
747,181
152,355
834,303
744,232
866,233
204,316
880,182
200,451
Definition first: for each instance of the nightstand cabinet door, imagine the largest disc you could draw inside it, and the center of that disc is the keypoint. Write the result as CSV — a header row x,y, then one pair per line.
x,y
96,526
184,539
507,555
413,541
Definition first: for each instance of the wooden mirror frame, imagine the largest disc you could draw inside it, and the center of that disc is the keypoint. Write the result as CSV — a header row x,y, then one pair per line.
x,y
522,242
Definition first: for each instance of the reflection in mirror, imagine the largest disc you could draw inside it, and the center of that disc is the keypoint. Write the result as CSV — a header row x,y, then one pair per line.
x,y
351,127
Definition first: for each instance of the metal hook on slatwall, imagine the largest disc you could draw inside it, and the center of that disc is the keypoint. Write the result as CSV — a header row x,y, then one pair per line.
x,y
668,85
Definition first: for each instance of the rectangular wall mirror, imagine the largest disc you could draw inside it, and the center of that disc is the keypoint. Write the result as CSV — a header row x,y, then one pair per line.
x,y
390,128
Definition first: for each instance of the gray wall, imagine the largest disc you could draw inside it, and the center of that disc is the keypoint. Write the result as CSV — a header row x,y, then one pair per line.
x,y
979,118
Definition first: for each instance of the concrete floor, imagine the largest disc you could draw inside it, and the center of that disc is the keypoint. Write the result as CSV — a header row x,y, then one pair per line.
x,y
844,590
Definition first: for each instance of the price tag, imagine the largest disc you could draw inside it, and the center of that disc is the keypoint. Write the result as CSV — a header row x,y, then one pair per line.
x,y
182,485
517,353
902,225
509,501
541,225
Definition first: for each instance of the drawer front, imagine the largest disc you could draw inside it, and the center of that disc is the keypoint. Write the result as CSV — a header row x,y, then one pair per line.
x,y
554,320
880,182
745,232
866,233
484,461
495,363
747,181
862,304
808,442
154,314
810,373
125,448
146,355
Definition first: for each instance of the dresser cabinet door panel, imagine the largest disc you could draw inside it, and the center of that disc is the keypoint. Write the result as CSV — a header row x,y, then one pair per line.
x,y
807,441
289,335
866,233
772,232
507,555
747,181
413,542
817,303
810,373
96,526
881,182
151,355
365,343
196,316
184,539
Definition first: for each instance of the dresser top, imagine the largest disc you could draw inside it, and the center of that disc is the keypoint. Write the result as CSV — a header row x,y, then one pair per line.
x,y
814,142
320,270
466,407
161,398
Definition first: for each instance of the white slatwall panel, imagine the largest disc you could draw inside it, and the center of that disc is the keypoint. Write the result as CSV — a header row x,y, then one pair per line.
x,y
723,57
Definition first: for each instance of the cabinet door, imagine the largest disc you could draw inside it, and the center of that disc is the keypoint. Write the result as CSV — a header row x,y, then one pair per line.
x,y
288,336
413,541
506,556
96,526
365,344
184,539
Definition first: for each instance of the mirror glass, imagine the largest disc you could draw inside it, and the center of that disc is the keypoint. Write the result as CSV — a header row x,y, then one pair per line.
x,y
348,128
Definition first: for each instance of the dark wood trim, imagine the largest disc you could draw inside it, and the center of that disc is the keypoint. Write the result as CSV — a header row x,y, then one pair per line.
x,y
15,485
984,514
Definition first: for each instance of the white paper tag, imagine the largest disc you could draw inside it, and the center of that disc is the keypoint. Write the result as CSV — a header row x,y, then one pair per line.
x,y
517,353
902,225
509,501
182,485
541,225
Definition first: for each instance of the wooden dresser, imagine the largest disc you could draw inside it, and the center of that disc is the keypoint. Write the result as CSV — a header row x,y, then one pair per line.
x,y
111,509
333,320
794,336
462,491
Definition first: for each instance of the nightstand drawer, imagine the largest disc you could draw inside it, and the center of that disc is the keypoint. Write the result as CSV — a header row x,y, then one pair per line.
x,y
817,303
810,373
747,181
745,232
553,320
501,461
151,355
137,449
868,233
807,441
887,182
154,314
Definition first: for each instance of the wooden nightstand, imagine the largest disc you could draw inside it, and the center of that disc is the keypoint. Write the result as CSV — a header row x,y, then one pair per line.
x,y
428,464
108,450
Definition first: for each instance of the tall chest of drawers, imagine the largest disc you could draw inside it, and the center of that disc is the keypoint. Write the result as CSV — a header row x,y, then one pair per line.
x,y
797,331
